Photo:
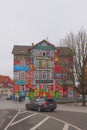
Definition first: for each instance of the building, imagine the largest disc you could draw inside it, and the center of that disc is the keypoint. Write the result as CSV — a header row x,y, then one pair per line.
x,y
42,70
6,85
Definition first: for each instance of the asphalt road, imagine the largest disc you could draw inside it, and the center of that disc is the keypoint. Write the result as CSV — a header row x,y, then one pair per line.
x,y
31,120
13,116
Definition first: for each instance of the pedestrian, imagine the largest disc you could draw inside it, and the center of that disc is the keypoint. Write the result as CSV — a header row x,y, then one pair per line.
x,y
19,99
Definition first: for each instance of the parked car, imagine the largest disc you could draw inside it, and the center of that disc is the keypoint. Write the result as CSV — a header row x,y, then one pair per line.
x,y
41,104
80,98
0,95
21,98
9,97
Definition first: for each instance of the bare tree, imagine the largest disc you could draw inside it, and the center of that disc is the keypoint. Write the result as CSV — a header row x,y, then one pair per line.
x,y
78,44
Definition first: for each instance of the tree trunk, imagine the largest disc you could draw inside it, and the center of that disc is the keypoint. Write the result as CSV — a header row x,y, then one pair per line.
x,y
83,100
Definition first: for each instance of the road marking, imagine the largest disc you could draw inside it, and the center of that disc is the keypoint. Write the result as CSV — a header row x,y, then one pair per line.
x,y
66,123
12,120
23,112
66,126
62,121
23,119
40,123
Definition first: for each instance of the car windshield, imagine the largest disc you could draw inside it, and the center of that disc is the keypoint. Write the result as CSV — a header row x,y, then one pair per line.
x,y
43,99
49,100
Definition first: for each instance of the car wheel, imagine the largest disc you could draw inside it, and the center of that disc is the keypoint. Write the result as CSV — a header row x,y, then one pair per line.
x,y
27,108
39,109
52,109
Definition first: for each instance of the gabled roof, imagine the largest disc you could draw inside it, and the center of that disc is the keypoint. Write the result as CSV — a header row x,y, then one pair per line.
x,y
4,79
21,49
43,41
62,51
46,42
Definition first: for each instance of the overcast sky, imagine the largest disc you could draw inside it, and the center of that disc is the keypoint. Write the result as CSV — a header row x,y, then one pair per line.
x,y
23,22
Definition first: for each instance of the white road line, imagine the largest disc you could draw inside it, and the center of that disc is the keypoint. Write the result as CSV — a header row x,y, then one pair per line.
x,y
66,123
22,119
66,126
23,112
36,126
27,112
62,121
12,120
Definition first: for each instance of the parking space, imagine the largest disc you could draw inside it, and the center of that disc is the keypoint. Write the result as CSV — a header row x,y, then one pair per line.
x,y
30,120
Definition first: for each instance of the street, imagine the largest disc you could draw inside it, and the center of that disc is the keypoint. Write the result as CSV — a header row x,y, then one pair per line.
x,y
58,120
67,117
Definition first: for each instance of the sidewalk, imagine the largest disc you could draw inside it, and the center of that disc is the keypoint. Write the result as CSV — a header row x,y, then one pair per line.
x,y
11,105
72,107
76,107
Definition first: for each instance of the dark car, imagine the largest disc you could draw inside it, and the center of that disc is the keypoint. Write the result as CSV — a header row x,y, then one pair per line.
x,y
9,98
0,95
41,104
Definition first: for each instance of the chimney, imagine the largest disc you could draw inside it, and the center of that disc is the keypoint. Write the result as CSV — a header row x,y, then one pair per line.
x,y
32,44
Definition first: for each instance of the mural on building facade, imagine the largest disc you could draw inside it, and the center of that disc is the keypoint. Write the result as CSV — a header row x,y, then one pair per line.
x,y
42,73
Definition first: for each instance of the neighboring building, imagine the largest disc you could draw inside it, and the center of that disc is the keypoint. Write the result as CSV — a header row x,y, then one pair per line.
x,y
43,70
6,85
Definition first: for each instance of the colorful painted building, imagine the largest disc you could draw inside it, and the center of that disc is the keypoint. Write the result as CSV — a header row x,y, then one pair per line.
x,y
43,70
6,85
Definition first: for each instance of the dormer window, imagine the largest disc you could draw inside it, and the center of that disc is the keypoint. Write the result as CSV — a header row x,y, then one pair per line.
x,y
22,51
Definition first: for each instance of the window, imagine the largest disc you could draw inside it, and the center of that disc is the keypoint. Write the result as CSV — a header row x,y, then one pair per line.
x,y
51,53
22,62
40,63
22,75
51,74
36,63
45,87
51,63
36,75
44,64
37,100
50,100
22,88
16,75
44,54
44,75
